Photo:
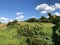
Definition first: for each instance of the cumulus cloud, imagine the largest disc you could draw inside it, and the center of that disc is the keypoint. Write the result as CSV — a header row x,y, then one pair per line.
x,y
33,17
43,12
44,8
19,13
57,14
57,5
11,20
4,20
20,18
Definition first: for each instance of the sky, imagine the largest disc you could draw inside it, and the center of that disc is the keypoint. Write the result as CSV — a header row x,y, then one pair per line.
x,y
25,9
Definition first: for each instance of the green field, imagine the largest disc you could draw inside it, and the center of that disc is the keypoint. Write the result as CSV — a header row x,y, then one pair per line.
x,y
10,36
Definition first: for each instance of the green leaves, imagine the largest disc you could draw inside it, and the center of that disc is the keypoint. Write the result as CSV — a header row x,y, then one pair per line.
x,y
36,33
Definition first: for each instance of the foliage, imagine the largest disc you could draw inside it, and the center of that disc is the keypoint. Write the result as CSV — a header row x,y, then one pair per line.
x,y
12,24
32,20
51,18
0,22
15,21
35,33
43,19
56,33
27,34
8,36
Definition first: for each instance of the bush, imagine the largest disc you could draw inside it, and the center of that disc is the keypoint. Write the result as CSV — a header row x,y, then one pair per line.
x,y
43,19
12,24
31,20
15,21
34,34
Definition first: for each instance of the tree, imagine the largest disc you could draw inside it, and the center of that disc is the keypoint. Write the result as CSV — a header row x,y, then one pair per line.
x,y
0,22
15,21
50,16
12,24
32,20
43,19
56,30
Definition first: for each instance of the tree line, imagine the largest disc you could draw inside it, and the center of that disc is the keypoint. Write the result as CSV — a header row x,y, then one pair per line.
x,y
51,18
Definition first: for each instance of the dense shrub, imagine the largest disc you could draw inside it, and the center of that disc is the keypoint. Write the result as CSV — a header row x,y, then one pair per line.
x,y
56,34
43,19
32,20
34,34
0,22
15,21
12,24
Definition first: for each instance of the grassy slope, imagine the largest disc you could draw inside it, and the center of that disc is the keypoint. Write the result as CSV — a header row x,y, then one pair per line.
x,y
8,36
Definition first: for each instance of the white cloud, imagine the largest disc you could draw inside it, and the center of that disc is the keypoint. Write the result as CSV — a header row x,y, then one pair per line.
x,y
4,20
49,9
43,12
19,13
57,14
44,8
57,5
33,17
41,7
20,18
11,20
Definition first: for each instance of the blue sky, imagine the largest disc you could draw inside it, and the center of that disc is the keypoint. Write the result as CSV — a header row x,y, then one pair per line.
x,y
24,9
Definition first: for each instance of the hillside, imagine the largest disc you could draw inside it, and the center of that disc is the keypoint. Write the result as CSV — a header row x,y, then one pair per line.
x,y
9,36
2,26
